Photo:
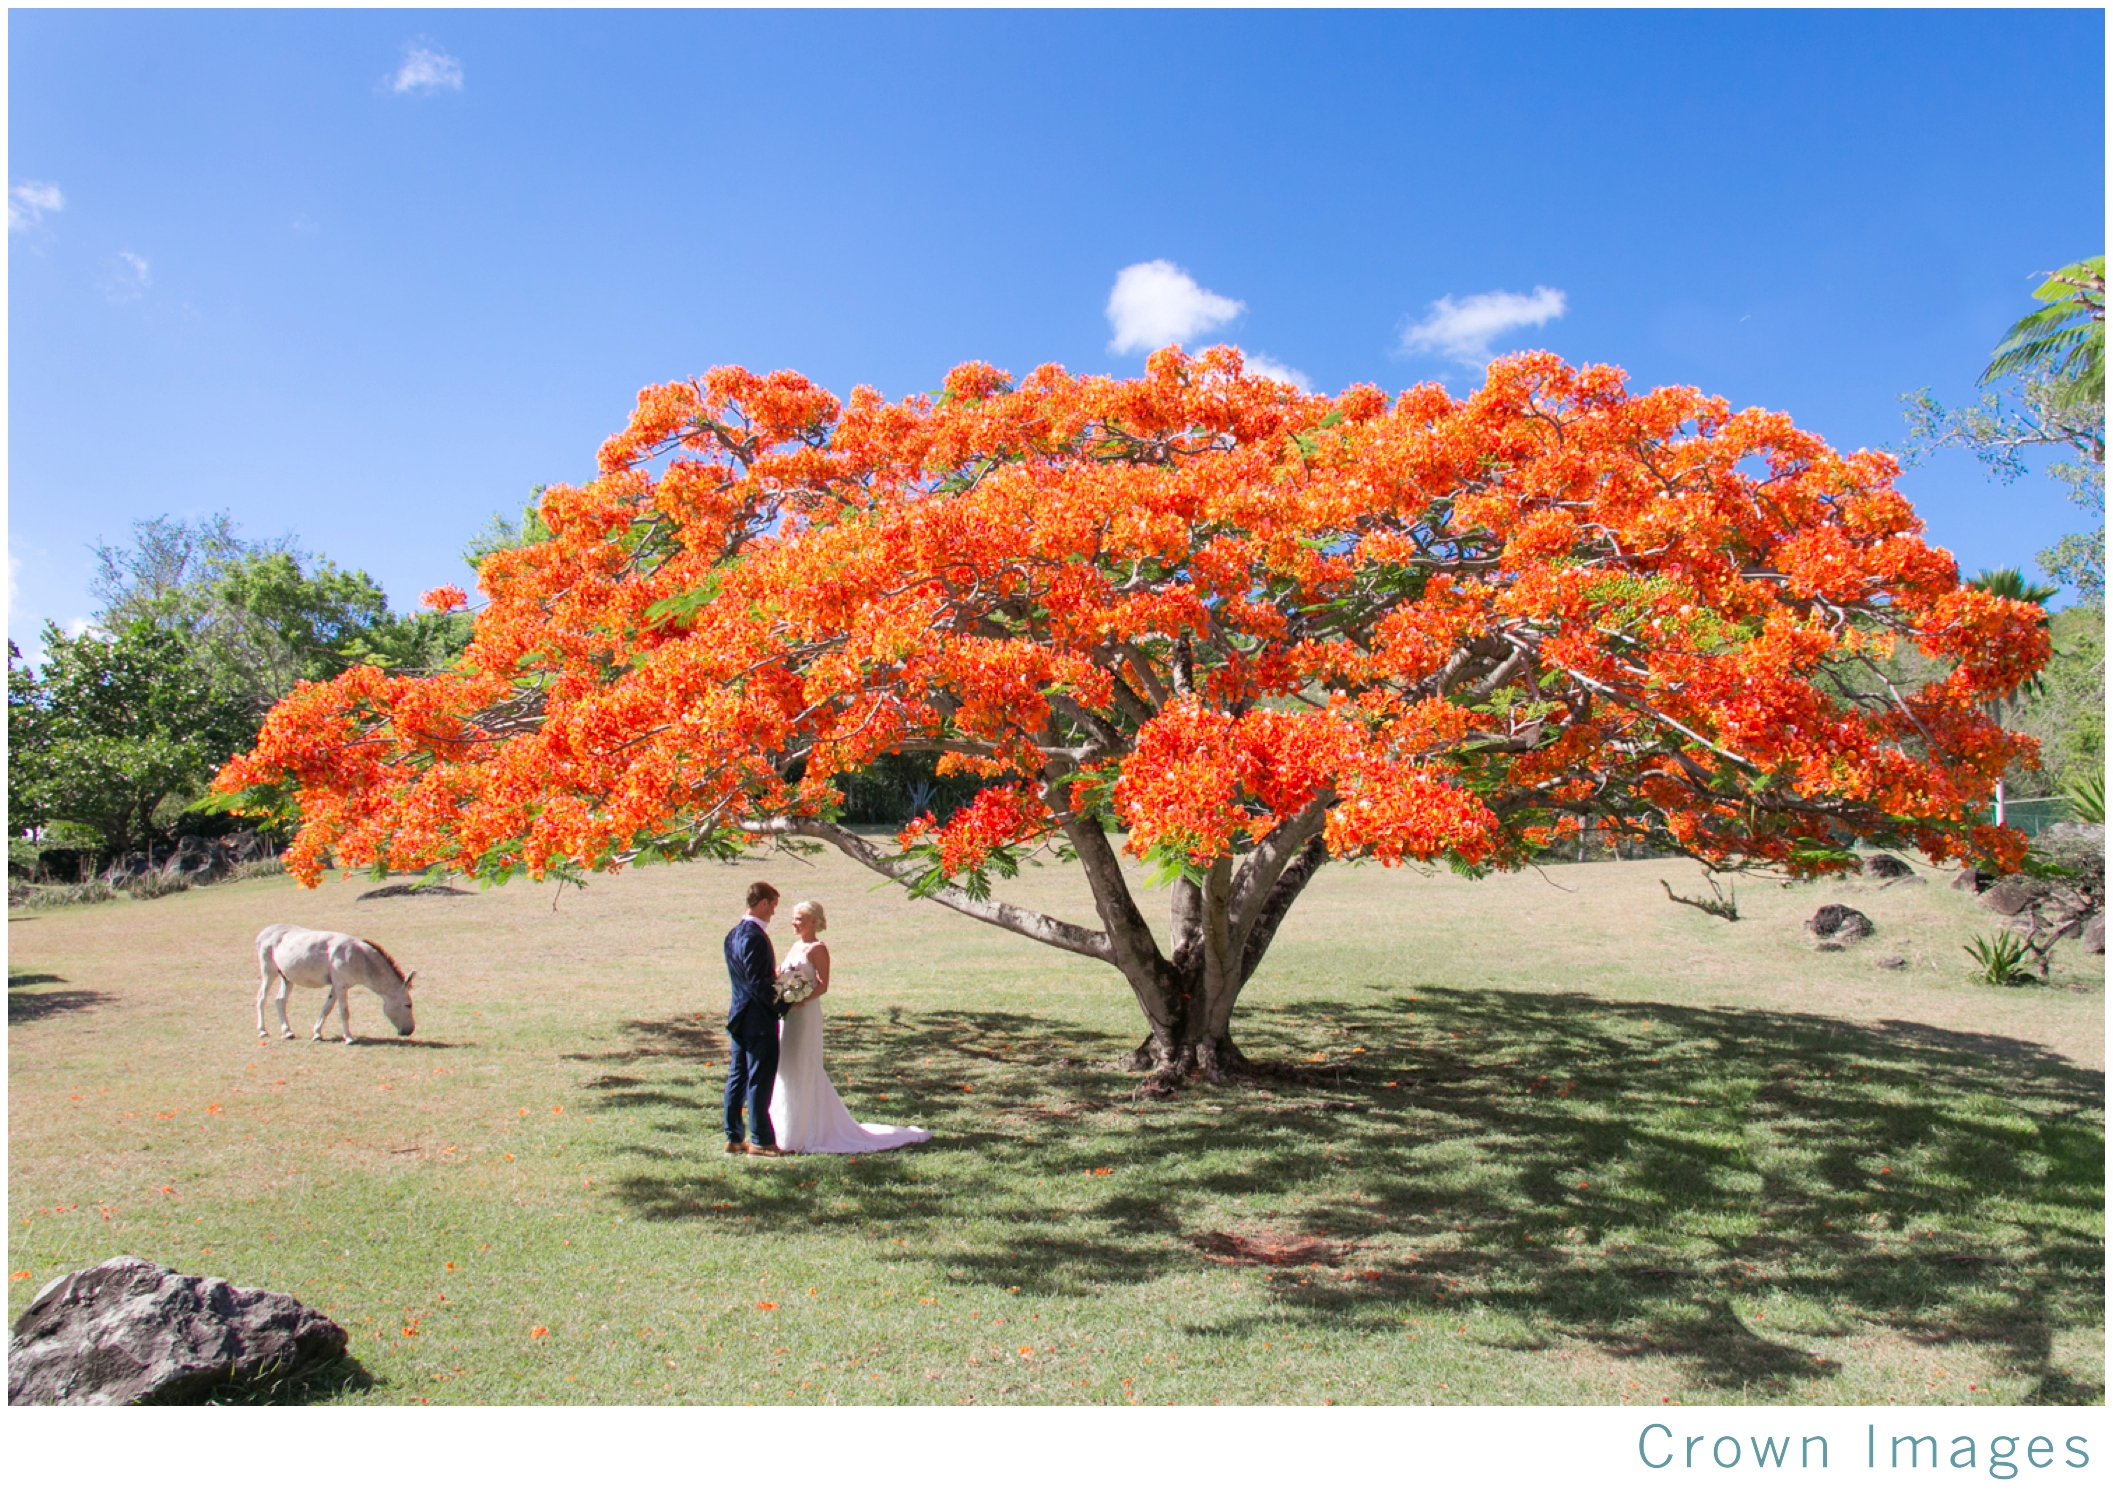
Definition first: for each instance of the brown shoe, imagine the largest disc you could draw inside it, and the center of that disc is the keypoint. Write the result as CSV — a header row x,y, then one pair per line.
x,y
756,1149
734,1146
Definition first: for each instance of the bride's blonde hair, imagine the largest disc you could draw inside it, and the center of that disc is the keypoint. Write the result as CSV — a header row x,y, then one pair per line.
x,y
813,910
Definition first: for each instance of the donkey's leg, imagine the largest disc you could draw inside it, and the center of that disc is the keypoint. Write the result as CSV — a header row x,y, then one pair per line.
x,y
344,1010
285,994
263,989
330,999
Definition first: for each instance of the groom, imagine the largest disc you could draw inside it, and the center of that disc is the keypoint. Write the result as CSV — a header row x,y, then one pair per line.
x,y
752,964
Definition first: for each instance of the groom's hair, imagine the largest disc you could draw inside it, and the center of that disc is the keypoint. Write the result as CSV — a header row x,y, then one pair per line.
x,y
761,891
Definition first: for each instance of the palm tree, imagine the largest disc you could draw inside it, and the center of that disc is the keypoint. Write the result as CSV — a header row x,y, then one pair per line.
x,y
2066,338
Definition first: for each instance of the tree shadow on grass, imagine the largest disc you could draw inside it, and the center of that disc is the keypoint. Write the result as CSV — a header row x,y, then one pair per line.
x,y
29,1001
1720,1187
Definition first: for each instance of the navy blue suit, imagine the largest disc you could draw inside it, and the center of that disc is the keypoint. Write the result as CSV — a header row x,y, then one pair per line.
x,y
753,1025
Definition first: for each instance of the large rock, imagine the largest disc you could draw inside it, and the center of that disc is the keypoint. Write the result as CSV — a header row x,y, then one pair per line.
x,y
199,859
130,1331
2079,845
1836,926
2095,934
245,844
1970,879
2013,894
1883,867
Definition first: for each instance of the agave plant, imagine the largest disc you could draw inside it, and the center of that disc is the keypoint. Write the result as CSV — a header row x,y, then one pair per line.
x,y
2087,795
2002,960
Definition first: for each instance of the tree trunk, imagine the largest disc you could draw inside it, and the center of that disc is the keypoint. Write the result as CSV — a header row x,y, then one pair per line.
x,y
1223,925
1218,944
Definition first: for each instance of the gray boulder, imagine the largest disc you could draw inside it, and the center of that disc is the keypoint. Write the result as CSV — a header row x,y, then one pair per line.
x,y
1971,880
1837,926
128,1331
2077,844
199,859
2013,894
2095,934
1882,867
244,844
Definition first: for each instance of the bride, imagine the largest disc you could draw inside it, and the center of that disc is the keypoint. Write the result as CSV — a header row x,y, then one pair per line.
x,y
805,1113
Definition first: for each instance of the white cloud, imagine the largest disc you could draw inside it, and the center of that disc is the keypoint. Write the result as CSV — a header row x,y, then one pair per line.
x,y
29,202
1462,330
1156,303
1269,369
127,277
426,70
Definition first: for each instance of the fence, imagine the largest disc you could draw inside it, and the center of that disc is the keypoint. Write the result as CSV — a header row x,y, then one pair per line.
x,y
2029,815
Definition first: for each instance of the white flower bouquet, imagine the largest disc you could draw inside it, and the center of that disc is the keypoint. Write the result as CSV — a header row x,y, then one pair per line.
x,y
794,986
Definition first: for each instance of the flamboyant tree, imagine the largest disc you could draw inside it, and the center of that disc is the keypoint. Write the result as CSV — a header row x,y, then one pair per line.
x,y
1238,628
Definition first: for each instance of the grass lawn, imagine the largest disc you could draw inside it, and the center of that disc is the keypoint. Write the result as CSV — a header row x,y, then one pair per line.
x,y
1558,1141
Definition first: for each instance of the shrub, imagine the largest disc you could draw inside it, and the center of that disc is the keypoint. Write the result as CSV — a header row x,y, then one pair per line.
x,y
56,893
157,884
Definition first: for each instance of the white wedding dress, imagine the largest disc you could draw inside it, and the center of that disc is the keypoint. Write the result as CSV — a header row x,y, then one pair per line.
x,y
805,1113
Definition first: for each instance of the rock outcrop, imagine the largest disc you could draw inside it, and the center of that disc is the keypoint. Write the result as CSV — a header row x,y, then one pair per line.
x,y
128,1331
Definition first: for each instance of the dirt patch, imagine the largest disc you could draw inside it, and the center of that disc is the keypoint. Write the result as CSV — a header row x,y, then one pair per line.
x,y
1266,1248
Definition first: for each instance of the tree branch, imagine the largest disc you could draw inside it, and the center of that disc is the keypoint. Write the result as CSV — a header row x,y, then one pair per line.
x,y
1036,925
1133,949
1281,896
1258,875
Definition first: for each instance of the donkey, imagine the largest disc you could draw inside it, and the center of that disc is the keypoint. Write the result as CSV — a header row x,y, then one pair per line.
x,y
288,956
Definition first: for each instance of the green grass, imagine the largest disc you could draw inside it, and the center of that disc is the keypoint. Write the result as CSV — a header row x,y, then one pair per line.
x,y
1528,1160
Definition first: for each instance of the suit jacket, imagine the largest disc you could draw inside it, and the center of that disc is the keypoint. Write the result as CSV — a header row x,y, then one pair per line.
x,y
753,968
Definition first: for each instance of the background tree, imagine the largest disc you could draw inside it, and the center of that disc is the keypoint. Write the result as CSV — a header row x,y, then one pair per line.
x,y
2056,357
262,616
200,633
2009,583
2066,712
1251,628
112,729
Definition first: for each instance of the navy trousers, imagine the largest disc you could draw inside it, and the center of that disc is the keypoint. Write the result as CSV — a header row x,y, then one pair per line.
x,y
751,1074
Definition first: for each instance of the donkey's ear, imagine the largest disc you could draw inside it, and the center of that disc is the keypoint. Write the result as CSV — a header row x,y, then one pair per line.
x,y
409,978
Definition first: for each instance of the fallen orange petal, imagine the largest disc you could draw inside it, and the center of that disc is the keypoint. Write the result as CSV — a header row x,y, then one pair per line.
x,y
767,1307
538,1332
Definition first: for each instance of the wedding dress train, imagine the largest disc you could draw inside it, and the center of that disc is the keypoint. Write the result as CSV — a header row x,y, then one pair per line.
x,y
805,1113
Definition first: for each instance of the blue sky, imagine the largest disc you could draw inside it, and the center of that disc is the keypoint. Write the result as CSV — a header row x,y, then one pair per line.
x,y
371,276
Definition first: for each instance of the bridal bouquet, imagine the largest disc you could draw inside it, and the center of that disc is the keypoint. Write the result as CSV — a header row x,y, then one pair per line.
x,y
794,986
